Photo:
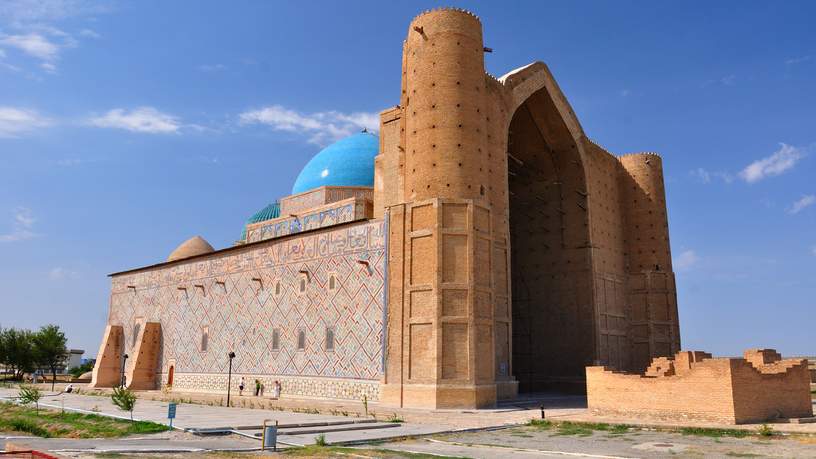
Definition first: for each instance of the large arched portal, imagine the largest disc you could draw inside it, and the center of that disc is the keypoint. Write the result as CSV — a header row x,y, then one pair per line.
x,y
551,287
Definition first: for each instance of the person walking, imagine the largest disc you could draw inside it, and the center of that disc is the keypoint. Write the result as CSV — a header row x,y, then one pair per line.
x,y
276,390
257,387
241,386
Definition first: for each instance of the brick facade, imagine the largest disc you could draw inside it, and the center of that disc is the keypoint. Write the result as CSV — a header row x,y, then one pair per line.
x,y
258,296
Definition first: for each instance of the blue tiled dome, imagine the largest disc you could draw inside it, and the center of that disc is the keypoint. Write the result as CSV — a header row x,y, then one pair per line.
x,y
347,162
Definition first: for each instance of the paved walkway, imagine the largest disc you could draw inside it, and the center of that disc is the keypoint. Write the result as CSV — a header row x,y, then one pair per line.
x,y
304,427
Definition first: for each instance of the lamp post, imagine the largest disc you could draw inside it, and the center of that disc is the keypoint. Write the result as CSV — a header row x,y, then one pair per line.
x,y
124,363
231,356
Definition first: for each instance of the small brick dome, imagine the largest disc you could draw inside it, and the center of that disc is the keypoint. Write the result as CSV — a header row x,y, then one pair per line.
x,y
196,245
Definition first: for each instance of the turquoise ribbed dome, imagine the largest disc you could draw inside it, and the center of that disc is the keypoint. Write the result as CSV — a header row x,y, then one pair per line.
x,y
347,162
267,213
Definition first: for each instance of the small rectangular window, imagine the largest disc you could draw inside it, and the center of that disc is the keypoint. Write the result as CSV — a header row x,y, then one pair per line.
x,y
329,339
277,288
302,287
332,282
301,340
275,340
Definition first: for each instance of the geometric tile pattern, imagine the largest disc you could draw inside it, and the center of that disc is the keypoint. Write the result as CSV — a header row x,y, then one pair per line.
x,y
328,215
239,297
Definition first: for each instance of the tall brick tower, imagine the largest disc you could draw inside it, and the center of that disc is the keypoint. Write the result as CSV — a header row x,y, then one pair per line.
x,y
519,251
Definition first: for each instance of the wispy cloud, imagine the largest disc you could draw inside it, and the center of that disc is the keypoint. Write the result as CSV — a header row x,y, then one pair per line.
x,y
779,162
797,60
212,67
59,273
685,260
802,203
320,127
30,29
625,92
28,11
89,33
727,80
22,226
706,176
15,122
146,120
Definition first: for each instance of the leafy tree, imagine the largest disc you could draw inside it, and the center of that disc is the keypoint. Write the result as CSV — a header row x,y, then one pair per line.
x,y
17,351
49,349
30,394
124,399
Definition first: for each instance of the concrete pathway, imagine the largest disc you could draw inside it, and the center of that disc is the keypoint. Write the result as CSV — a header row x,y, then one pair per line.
x,y
304,427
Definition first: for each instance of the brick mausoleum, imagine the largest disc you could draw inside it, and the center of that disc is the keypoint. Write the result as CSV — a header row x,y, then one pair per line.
x,y
482,245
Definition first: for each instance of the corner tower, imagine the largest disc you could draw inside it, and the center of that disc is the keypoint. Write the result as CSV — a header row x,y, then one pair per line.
x,y
441,347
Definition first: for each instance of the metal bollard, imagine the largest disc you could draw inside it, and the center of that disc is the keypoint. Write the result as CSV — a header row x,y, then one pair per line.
x,y
269,439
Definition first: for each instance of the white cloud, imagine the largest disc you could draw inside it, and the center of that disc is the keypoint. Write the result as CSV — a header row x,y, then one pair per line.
x,y
802,203
702,174
797,60
17,121
706,176
21,226
29,28
212,67
779,162
142,119
33,44
27,11
321,127
686,260
89,33
60,273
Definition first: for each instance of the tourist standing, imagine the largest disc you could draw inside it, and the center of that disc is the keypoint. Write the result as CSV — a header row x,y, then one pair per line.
x,y
276,390
257,387
241,386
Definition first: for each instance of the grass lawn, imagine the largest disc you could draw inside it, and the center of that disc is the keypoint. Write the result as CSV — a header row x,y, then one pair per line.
x,y
50,423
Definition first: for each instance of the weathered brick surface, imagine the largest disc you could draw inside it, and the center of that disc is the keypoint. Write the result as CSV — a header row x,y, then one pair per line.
x,y
696,386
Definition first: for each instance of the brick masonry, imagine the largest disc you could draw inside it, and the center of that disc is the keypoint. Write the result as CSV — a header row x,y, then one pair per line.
x,y
517,252
759,387
249,299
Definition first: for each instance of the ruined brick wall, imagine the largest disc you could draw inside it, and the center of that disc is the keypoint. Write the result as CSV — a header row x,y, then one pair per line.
x,y
256,299
727,390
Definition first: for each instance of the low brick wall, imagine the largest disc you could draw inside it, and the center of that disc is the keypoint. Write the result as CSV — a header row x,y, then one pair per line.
x,y
694,386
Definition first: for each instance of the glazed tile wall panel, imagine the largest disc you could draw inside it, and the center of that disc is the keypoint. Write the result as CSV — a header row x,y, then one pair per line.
x,y
333,214
240,297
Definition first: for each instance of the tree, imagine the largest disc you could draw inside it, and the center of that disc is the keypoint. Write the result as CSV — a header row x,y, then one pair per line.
x,y
30,394
124,399
17,350
50,350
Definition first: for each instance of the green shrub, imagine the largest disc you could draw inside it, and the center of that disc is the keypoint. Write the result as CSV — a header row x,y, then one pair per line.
x,y
124,399
320,440
29,395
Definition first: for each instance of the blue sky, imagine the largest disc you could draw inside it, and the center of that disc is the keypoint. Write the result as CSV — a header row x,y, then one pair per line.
x,y
127,127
